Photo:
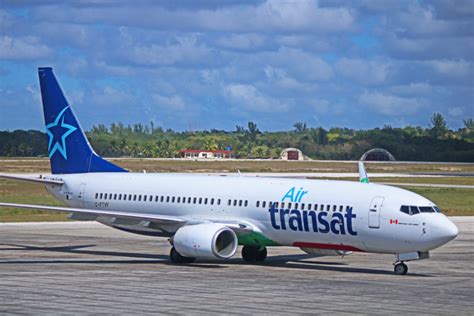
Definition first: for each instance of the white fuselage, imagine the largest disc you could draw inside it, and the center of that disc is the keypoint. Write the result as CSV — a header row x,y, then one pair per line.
x,y
341,215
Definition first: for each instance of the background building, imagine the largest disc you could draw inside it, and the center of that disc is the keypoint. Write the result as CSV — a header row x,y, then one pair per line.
x,y
206,154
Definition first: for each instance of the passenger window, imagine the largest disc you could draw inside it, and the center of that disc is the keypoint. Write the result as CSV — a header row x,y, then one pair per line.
x,y
296,206
229,202
328,208
156,198
189,200
341,208
263,204
96,196
167,199
105,196
246,203
240,203
212,201
257,204
309,207
144,198
283,205
334,208
205,201
135,197
218,201
200,200
302,206
194,200
289,206
120,197
405,209
235,202
151,198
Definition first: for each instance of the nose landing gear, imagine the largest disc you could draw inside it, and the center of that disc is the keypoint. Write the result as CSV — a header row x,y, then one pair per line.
x,y
400,268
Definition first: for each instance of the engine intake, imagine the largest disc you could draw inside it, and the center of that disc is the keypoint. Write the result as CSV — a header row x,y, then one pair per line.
x,y
207,241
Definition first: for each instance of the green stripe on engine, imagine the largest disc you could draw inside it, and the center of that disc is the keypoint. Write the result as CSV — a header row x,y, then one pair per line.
x,y
255,239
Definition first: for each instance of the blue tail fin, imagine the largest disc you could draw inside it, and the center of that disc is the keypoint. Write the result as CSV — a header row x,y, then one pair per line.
x,y
68,147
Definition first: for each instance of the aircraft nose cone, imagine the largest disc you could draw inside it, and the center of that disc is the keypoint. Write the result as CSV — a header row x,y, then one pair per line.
x,y
445,231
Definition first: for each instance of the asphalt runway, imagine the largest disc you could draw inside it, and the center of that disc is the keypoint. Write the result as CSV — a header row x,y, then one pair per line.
x,y
87,268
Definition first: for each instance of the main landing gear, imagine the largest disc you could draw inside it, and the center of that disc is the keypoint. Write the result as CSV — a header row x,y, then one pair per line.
x,y
175,257
254,253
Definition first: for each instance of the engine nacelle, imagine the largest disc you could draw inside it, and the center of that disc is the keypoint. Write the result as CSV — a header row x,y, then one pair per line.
x,y
207,241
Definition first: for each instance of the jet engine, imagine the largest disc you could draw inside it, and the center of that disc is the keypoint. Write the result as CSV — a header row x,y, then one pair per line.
x,y
207,241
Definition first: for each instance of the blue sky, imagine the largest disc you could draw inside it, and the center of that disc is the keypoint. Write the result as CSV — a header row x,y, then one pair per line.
x,y
192,65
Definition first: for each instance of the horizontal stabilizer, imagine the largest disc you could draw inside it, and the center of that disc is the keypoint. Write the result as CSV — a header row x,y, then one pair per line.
x,y
39,179
131,215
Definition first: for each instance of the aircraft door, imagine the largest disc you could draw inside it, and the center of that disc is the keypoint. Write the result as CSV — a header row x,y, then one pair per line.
x,y
81,194
374,212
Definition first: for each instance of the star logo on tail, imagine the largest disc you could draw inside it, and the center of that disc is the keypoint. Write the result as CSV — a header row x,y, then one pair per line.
x,y
58,131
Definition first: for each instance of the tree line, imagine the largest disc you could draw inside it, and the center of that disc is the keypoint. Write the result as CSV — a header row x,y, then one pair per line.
x,y
434,143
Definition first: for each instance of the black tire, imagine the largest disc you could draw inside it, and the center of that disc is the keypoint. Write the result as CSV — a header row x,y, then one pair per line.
x,y
262,254
249,253
175,257
400,269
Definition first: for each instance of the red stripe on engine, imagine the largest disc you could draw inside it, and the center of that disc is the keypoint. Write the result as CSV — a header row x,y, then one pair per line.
x,y
325,246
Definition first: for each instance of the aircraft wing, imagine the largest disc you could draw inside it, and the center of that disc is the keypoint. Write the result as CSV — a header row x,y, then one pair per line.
x,y
237,226
39,179
130,215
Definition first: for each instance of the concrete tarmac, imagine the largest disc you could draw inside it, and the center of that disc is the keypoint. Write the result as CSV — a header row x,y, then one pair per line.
x,y
87,268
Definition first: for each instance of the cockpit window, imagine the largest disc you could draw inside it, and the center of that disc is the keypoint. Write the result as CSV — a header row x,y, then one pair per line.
x,y
405,209
412,210
426,209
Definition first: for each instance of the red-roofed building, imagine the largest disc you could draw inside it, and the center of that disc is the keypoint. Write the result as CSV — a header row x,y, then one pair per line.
x,y
206,154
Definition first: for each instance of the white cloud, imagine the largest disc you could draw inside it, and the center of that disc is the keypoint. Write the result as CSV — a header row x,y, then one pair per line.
x,y
452,68
173,103
112,97
242,41
364,71
296,16
185,50
249,98
456,111
391,105
23,48
414,88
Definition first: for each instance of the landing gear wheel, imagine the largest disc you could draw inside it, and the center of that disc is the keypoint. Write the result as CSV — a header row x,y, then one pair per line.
x,y
262,255
175,257
254,254
400,269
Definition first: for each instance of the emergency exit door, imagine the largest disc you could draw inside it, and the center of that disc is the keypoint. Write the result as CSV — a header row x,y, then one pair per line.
x,y
374,212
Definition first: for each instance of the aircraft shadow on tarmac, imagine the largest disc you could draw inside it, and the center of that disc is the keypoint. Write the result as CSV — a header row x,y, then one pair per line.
x,y
279,261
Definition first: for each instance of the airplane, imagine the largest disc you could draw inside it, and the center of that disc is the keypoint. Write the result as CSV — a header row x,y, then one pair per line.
x,y
209,216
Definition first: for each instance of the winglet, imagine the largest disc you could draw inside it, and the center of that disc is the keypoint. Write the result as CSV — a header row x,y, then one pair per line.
x,y
363,177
